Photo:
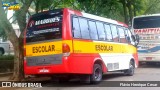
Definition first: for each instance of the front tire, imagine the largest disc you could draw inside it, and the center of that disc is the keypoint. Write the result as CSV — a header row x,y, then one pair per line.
x,y
130,71
96,76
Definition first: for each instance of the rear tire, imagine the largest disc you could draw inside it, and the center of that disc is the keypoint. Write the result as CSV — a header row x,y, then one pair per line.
x,y
96,76
130,71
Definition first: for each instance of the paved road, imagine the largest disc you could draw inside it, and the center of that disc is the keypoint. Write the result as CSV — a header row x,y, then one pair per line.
x,y
143,73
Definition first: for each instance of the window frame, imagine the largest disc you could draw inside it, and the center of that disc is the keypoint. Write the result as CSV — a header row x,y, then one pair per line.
x,y
91,20
103,30
104,23
88,28
72,27
124,28
117,32
131,40
110,31
75,16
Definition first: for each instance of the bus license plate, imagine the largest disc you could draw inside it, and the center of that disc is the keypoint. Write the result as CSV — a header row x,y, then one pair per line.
x,y
148,58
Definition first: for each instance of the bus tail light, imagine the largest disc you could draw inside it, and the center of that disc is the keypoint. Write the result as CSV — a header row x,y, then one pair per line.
x,y
65,49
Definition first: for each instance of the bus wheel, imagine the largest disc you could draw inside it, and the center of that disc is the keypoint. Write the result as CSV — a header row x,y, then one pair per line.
x,y
96,76
130,71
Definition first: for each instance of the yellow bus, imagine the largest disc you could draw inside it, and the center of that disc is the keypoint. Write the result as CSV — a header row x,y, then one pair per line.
x,y
65,43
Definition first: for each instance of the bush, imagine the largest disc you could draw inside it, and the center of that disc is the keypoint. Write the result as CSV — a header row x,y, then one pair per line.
x,y
6,63
7,57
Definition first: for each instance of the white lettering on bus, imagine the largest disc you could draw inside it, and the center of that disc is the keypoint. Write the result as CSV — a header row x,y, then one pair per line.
x,y
46,31
147,31
49,20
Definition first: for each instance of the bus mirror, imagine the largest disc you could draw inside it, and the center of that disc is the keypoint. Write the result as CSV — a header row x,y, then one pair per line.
x,y
137,37
134,38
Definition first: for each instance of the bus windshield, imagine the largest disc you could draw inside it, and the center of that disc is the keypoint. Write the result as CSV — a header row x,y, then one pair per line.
x,y
146,22
44,26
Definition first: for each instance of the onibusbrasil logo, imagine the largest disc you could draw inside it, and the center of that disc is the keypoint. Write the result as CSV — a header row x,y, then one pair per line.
x,y
31,23
11,5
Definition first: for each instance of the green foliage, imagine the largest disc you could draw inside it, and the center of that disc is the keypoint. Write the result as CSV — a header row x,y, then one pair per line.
x,y
152,6
7,57
6,63
3,34
41,4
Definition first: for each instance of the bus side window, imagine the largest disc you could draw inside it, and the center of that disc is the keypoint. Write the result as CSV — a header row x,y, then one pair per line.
x,y
101,33
122,35
115,33
128,35
108,32
93,30
84,28
76,29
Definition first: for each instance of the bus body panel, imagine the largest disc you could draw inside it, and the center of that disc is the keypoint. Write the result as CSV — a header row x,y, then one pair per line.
x,y
111,53
83,53
148,28
71,65
76,62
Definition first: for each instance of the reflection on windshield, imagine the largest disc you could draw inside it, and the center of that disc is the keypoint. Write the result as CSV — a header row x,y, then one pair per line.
x,y
146,22
44,26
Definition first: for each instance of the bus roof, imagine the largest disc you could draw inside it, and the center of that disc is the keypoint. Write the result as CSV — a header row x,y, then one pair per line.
x,y
87,15
91,16
148,15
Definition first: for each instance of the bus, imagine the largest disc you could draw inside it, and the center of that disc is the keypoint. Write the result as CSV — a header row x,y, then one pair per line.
x,y
67,43
148,29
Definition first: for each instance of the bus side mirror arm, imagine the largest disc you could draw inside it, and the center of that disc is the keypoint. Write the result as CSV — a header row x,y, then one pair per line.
x,y
133,37
136,39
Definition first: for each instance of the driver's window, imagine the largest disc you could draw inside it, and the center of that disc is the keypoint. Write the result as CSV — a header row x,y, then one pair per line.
x,y
128,36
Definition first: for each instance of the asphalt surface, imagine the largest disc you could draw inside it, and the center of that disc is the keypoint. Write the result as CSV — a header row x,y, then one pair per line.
x,y
143,73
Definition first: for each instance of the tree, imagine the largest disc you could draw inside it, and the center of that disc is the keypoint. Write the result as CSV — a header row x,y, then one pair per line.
x,y
15,40
131,8
152,6
3,34
122,10
40,5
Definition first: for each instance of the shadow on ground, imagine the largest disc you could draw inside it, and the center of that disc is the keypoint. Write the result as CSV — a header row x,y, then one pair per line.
x,y
149,65
77,83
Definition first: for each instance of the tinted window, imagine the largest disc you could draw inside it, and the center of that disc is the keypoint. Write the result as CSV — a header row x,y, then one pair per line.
x,y
44,26
93,30
128,34
114,33
76,28
146,22
122,35
101,32
84,28
108,32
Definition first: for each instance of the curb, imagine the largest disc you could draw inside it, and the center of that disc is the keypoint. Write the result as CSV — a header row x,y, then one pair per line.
x,y
5,74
